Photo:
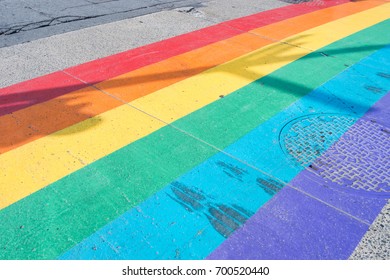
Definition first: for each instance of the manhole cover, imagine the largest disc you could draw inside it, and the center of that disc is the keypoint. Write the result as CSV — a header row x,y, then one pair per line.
x,y
358,160
306,138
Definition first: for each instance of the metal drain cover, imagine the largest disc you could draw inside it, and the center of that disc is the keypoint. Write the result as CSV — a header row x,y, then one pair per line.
x,y
358,160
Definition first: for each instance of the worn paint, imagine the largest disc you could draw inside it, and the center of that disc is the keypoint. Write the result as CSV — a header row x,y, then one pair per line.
x,y
168,104
65,110
329,234
107,68
143,189
254,189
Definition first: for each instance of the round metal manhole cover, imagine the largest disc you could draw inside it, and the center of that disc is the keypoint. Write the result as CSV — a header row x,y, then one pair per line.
x,y
355,155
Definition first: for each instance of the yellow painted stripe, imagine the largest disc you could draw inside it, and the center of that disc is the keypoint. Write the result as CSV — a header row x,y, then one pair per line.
x,y
39,163
178,100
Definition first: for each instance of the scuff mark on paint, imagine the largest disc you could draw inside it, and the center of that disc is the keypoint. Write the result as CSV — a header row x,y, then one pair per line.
x,y
186,197
374,89
270,186
225,219
219,227
236,215
383,75
232,171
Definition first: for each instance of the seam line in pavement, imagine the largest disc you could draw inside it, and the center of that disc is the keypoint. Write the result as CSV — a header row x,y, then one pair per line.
x,y
205,142
221,151
330,205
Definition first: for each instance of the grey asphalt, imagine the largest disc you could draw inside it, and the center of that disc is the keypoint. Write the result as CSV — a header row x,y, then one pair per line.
x,y
375,244
38,37
23,61
26,20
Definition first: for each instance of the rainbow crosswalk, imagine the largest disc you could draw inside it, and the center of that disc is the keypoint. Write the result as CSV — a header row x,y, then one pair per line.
x,y
235,141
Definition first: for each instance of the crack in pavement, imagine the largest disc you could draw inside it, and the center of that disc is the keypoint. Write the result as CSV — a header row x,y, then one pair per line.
x,y
72,18
44,23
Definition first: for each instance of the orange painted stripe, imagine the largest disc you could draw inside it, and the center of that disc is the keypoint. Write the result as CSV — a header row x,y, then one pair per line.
x,y
37,121
41,89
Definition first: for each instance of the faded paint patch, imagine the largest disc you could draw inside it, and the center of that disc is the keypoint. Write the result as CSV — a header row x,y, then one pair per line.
x,y
224,218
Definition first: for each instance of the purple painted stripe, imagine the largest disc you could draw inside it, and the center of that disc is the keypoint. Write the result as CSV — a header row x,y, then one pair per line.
x,y
380,112
354,174
293,225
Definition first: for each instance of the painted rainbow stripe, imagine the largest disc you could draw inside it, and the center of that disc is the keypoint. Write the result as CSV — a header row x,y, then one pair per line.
x,y
176,69
170,156
245,193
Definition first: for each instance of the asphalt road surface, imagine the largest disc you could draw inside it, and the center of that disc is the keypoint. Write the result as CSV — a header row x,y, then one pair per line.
x,y
27,20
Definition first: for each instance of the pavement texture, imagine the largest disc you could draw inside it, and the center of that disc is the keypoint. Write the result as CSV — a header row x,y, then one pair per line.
x,y
44,56
194,129
375,243
28,20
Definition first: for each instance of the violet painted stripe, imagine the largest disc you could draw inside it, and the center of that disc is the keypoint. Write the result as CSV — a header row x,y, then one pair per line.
x,y
293,226
299,222
203,192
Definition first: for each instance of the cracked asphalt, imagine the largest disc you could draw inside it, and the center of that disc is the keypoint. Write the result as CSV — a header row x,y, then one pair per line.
x,y
27,20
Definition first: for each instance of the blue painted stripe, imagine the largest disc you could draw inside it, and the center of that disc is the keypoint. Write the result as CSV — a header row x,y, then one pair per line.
x,y
329,233
293,226
347,94
190,217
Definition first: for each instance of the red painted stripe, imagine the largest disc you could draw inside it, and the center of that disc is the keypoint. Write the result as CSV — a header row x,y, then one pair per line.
x,y
115,65
254,21
46,87
35,91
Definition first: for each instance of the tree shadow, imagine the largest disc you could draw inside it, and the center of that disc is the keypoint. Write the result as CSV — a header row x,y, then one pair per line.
x,y
27,115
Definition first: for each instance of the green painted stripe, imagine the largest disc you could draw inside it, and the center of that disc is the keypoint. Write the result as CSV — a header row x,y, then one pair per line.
x,y
222,122
49,222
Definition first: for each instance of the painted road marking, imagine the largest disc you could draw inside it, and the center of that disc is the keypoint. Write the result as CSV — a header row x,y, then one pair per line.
x,y
174,102
72,151
34,122
220,182
290,224
145,167
106,68
331,228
